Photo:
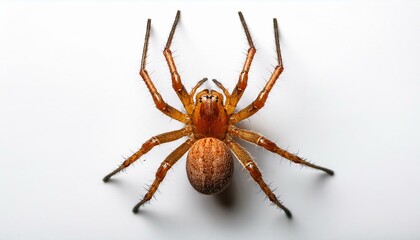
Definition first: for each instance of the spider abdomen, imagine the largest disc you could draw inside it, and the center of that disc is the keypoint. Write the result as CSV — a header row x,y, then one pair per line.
x,y
209,166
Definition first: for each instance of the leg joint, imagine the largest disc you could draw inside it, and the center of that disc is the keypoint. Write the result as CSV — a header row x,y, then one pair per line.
x,y
161,172
160,104
252,50
243,81
253,170
176,81
166,52
267,144
260,101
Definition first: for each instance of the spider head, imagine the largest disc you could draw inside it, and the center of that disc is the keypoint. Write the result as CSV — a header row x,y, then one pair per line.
x,y
209,118
209,104
209,97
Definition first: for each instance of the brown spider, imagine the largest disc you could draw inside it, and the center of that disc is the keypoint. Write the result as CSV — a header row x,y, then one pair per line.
x,y
210,127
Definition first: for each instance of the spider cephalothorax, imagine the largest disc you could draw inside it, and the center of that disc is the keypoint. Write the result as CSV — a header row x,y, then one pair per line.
x,y
210,129
209,118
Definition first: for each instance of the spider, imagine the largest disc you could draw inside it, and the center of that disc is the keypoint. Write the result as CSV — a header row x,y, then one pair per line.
x,y
210,129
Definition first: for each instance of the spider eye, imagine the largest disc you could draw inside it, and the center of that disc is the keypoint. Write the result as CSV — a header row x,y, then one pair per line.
x,y
217,99
200,99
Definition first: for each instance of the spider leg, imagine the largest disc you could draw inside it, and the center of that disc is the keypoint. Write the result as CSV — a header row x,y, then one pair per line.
x,y
170,160
147,146
177,85
272,147
259,102
243,77
246,161
157,98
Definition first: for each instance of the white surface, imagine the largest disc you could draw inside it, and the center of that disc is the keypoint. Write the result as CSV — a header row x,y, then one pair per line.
x,y
71,103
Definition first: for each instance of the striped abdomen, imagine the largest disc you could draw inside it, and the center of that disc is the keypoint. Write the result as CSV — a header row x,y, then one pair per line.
x,y
209,166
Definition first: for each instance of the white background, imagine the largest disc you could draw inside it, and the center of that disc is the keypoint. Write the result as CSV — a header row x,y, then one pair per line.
x,y
71,103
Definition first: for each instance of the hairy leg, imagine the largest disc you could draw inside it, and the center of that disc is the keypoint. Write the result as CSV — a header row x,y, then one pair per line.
x,y
147,146
172,158
259,102
157,98
177,85
272,147
236,95
246,160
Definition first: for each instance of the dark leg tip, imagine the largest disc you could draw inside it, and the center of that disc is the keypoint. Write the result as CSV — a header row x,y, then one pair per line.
x,y
288,213
330,172
138,205
106,178
136,209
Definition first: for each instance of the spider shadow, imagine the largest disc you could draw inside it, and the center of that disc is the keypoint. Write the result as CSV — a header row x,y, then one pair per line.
x,y
321,178
321,182
227,197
